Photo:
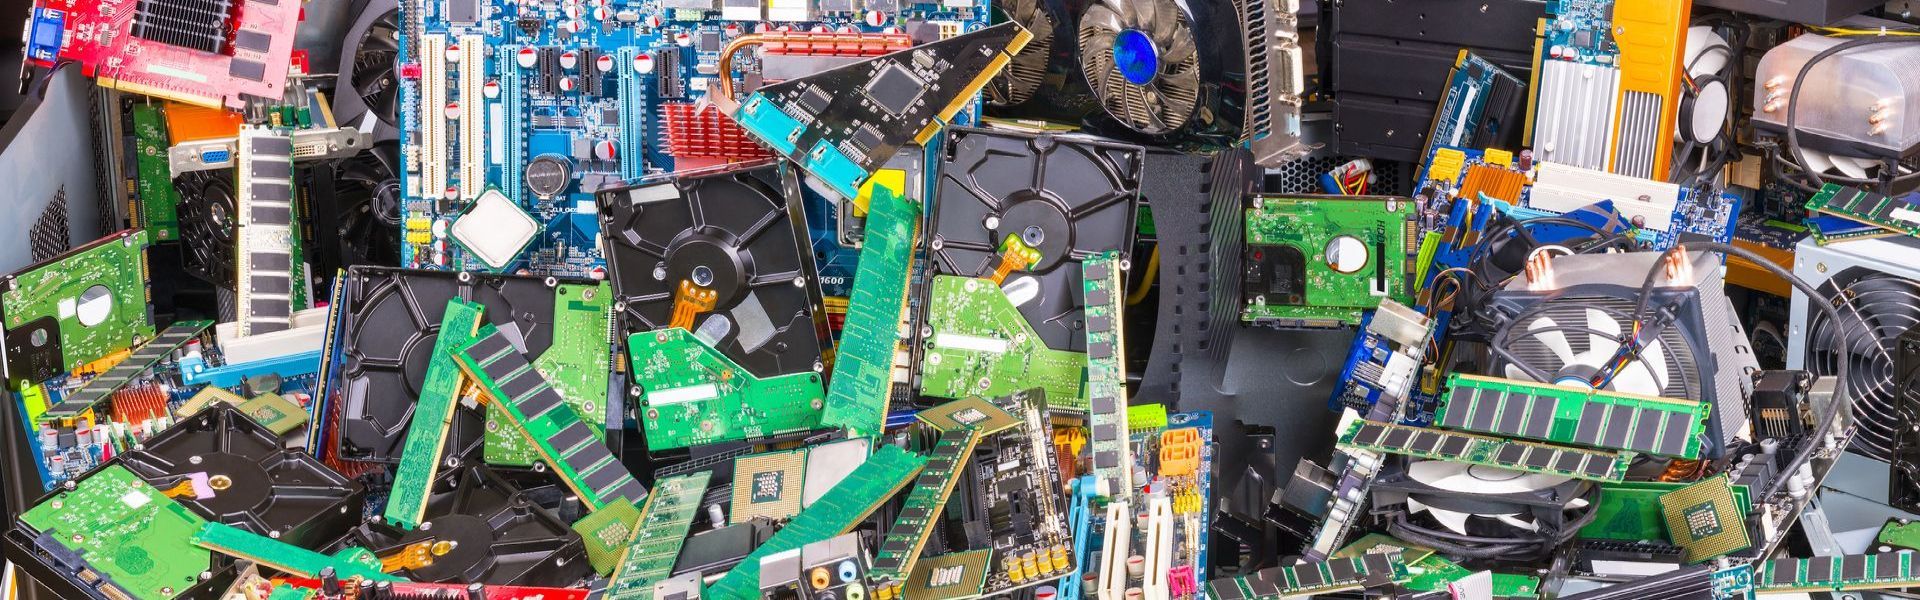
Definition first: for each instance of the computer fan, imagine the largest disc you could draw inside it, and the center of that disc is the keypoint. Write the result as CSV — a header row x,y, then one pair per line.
x,y
1881,291
233,470
367,91
353,210
1158,66
1506,514
1565,322
480,528
207,208
386,325
738,239
1066,196
1022,77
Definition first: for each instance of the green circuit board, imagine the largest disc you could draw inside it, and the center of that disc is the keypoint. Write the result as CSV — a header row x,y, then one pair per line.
x,y
281,556
838,512
564,442
93,298
432,416
1321,261
982,346
658,536
133,538
576,364
863,374
607,532
153,177
691,394
904,541
1630,511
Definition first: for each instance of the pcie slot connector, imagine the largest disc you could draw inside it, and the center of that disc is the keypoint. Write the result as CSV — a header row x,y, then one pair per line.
x,y
473,117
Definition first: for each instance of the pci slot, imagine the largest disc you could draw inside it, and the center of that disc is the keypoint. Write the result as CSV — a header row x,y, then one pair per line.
x,y
1159,551
514,94
433,116
1114,550
1080,515
473,117
633,115
267,259
1107,374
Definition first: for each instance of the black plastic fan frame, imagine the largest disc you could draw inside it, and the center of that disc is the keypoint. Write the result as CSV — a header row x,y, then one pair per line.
x,y
1069,197
499,534
1877,309
388,321
741,234
368,83
1904,487
257,484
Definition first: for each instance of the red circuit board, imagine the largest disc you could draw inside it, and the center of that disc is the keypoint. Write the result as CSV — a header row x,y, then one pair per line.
x,y
452,590
98,34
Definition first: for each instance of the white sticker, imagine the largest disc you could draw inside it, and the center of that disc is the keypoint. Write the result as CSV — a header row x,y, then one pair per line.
x,y
1905,214
68,307
135,499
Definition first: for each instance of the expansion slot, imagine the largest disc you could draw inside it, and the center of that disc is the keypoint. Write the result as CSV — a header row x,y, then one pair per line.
x,y
427,435
842,508
1107,374
982,346
901,546
473,116
1897,214
1583,417
865,361
1513,455
1080,511
693,394
271,284
281,556
657,538
1848,573
1326,577
564,441
514,136
105,384
633,113
1115,547
1159,550
433,115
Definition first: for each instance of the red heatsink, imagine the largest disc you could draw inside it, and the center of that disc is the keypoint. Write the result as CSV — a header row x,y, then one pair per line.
x,y
136,404
837,44
707,133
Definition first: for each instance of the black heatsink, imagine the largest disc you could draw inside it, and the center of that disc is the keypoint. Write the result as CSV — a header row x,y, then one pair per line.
x,y
198,24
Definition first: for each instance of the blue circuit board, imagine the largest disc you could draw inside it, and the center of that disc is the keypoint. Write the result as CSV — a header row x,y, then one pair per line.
x,y
1581,31
548,101
1474,86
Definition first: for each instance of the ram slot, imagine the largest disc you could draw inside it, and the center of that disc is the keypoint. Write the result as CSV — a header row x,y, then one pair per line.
x,y
1159,550
433,116
473,117
513,91
1114,550
633,115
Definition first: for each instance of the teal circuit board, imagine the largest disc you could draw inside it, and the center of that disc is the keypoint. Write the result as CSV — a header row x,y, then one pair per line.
x,y
513,113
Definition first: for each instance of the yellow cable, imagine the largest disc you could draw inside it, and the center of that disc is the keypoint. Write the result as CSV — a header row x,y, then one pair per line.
x,y
1146,281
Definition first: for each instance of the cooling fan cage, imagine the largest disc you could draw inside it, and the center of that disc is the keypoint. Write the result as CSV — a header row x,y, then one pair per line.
x,y
1875,310
1141,60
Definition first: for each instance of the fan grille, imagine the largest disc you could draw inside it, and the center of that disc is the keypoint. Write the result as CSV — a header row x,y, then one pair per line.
x,y
1570,315
1877,309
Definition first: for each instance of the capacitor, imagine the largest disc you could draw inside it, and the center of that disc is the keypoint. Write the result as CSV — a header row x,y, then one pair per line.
x,y
718,517
1136,566
527,58
643,63
569,60
605,150
491,89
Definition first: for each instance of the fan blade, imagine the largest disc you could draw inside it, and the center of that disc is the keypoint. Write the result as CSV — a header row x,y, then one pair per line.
x,y
1165,24
1176,50
1104,20
1518,522
1141,14
1600,347
1554,339
1816,161
1453,521
1634,379
1516,373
